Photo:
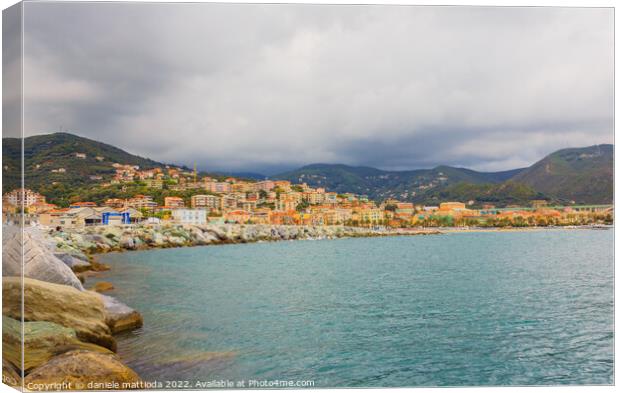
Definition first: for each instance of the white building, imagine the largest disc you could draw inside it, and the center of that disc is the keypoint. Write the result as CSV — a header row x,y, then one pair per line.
x,y
189,216
23,197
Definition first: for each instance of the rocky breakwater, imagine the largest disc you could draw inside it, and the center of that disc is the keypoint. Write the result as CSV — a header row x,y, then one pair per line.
x,y
68,340
68,331
100,239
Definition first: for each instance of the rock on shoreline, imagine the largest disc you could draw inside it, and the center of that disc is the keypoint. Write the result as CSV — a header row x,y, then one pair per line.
x,y
82,370
101,239
82,311
68,329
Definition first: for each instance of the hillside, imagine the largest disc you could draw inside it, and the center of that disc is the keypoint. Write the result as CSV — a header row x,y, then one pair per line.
x,y
498,194
414,185
44,153
583,175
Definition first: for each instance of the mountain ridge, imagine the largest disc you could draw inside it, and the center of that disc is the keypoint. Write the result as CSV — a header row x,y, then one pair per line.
x,y
582,175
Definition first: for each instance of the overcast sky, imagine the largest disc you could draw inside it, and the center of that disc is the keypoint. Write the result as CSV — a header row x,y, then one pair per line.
x,y
265,88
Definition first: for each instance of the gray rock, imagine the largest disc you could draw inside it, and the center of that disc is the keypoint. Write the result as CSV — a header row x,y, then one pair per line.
x,y
119,316
127,242
38,262
71,261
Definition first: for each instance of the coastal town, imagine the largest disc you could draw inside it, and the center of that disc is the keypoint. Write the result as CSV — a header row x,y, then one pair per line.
x,y
208,200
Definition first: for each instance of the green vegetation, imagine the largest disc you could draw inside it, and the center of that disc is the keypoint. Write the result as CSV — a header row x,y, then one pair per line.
x,y
303,205
380,185
44,153
63,196
503,194
582,175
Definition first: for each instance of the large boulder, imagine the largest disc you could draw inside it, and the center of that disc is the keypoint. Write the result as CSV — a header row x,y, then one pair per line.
x,y
75,264
38,262
11,375
119,316
82,370
11,252
41,341
83,311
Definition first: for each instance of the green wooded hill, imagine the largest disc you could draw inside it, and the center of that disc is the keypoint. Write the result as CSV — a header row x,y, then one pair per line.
x,y
418,185
44,153
583,175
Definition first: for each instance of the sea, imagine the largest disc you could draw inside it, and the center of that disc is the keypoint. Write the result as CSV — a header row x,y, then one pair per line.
x,y
496,308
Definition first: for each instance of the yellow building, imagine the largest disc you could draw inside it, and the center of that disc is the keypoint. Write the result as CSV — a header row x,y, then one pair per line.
x,y
447,206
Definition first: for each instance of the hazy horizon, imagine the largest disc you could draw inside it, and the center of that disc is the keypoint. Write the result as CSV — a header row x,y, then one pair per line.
x,y
269,87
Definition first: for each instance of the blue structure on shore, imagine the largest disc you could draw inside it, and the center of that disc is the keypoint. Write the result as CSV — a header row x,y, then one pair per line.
x,y
105,217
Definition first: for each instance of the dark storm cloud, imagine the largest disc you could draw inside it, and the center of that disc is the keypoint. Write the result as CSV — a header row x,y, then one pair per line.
x,y
263,87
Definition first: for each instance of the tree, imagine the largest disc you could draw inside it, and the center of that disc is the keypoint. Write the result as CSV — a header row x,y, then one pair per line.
x,y
303,205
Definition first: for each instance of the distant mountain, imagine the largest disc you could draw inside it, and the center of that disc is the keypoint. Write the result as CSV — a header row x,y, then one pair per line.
x,y
583,175
415,185
44,153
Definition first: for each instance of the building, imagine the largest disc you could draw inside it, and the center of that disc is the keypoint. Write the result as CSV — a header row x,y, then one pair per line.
x,y
313,197
207,201
372,216
447,206
82,204
217,187
261,216
39,208
154,183
114,202
115,218
238,216
189,216
330,197
76,217
283,185
58,218
283,217
141,202
242,186
174,202
229,202
266,185
23,197
286,204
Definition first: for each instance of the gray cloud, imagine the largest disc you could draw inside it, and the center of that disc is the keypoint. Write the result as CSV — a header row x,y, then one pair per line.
x,y
263,87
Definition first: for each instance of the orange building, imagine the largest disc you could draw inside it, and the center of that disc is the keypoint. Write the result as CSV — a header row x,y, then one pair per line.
x,y
174,202
238,216
83,204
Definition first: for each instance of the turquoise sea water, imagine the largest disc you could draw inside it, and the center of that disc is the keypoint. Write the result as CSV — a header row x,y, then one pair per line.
x,y
512,308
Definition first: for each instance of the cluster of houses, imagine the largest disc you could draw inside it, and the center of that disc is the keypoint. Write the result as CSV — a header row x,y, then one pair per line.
x,y
279,202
